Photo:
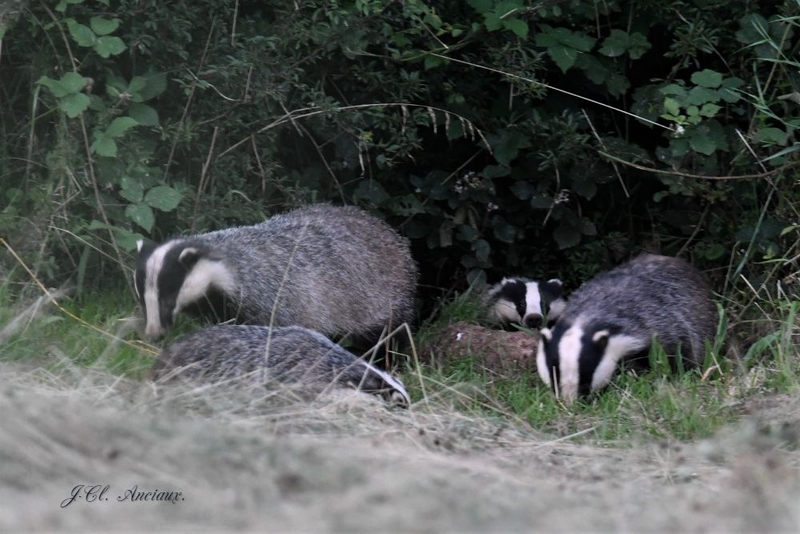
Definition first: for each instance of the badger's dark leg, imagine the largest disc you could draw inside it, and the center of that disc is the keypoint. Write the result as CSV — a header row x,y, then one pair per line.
x,y
386,355
639,362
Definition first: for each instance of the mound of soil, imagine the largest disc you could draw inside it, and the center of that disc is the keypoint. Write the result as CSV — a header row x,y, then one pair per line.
x,y
501,352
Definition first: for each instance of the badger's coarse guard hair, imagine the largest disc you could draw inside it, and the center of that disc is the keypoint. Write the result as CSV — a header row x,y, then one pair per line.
x,y
337,270
614,317
525,301
291,355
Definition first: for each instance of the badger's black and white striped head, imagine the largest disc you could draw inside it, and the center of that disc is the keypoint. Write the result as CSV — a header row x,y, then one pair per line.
x,y
525,301
174,275
383,384
576,359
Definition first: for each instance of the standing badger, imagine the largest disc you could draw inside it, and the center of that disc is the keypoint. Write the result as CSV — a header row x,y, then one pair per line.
x,y
613,318
337,270
291,355
525,301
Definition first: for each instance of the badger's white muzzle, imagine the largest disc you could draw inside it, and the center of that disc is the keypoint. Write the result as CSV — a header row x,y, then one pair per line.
x,y
154,331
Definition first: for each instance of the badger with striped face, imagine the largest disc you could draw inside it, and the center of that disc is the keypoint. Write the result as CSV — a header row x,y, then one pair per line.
x,y
336,270
612,320
258,355
525,301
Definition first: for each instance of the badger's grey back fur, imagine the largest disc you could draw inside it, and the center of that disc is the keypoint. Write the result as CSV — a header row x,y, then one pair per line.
x,y
524,301
337,270
291,355
615,316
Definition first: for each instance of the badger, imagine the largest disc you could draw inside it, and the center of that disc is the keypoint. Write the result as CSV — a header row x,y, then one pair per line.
x,y
336,270
612,320
524,301
290,355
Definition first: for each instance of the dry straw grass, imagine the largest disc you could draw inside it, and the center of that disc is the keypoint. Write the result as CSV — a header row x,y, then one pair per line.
x,y
245,460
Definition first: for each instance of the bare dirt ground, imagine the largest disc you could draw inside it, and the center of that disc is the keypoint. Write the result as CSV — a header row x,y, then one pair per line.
x,y
243,462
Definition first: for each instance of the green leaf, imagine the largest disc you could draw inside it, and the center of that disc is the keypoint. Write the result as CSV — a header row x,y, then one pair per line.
x,y
700,95
74,104
104,146
772,136
566,236
62,5
131,190
492,22
673,89
595,70
163,198
672,106
481,6
754,28
563,57
615,44
141,214
702,144
136,84
617,84
519,27
143,114
119,126
728,91
707,78
638,45
108,46
101,26
431,62
156,84
550,37
709,110
55,86
81,34
578,41
73,82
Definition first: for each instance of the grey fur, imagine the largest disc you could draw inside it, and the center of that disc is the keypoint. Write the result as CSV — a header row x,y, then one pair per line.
x,y
290,355
649,296
351,273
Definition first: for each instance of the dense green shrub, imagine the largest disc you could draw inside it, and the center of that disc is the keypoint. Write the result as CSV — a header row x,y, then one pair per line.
x,y
527,137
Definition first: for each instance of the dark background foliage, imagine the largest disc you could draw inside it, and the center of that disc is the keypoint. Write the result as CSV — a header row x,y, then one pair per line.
x,y
546,138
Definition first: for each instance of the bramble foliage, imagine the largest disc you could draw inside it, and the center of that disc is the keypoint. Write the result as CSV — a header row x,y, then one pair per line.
x,y
539,138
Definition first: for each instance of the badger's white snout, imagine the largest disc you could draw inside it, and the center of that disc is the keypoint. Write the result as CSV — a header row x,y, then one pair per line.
x,y
154,331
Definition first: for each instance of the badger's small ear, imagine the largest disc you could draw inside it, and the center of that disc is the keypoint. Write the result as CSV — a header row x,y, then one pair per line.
x,y
189,256
551,290
144,247
600,338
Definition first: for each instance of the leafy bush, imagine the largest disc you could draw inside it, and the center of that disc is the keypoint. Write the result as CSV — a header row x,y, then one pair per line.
x,y
500,136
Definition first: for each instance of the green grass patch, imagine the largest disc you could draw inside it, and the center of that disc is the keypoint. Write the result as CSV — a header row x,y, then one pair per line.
x,y
655,405
658,404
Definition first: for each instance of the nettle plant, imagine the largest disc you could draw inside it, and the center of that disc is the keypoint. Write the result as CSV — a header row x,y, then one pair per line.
x,y
108,108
